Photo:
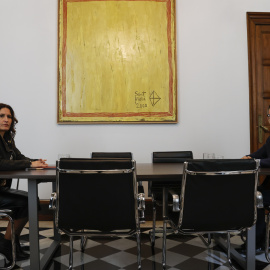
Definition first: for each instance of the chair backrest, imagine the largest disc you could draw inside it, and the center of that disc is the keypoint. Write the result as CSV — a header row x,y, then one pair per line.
x,y
218,195
111,155
172,156
96,194
167,157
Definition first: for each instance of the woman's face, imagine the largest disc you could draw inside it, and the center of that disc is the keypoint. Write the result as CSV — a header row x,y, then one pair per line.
x,y
5,120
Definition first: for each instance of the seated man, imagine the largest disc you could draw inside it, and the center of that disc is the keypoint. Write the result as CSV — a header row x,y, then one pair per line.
x,y
263,154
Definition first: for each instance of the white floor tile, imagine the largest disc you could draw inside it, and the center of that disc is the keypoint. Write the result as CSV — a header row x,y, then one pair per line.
x,y
122,244
121,259
79,258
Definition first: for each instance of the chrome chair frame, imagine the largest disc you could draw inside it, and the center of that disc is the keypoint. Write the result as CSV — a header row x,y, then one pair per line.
x,y
164,157
177,227
7,213
139,201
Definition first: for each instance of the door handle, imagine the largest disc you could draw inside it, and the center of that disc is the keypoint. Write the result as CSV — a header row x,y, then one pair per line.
x,y
261,129
264,128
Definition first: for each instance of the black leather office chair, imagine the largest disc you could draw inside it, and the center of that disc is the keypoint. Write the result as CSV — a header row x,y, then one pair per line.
x,y
100,195
155,188
112,155
212,199
3,214
118,155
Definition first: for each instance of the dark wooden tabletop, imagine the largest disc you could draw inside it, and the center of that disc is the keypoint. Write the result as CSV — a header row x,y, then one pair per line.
x,y
145,172
48,174
159,171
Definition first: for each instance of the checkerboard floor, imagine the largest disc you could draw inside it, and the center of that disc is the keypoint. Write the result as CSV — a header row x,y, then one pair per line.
x,y
183,252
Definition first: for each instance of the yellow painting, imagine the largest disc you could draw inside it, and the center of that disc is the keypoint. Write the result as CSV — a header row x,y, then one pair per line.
x,y
117,61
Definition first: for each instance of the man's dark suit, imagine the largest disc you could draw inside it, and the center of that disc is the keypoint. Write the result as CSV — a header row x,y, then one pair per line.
x,y
264,155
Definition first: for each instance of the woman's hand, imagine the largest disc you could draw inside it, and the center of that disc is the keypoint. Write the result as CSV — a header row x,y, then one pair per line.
x,y
41,163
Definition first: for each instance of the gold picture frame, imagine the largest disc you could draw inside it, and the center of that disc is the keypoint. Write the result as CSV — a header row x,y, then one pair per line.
x,y
117,61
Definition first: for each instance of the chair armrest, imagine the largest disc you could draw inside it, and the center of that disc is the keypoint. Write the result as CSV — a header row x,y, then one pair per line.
x,y
52,204
141,206
175,200
5,213
259,200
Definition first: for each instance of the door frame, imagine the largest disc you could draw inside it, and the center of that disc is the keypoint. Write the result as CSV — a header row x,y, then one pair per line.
x,y
253,19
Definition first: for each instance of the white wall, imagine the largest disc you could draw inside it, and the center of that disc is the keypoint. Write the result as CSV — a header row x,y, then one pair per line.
x,y
213,90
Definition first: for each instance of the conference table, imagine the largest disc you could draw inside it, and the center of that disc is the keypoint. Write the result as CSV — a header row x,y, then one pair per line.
x,y
145,172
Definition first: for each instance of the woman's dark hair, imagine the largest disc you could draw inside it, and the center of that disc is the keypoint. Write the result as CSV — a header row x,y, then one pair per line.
x,y
12,130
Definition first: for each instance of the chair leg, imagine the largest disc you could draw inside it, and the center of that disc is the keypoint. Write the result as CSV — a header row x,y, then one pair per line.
x,y
12,244
164,244
243,235
267,238
153,232
138,236
70,252
18,182
229,251
208,241
83,242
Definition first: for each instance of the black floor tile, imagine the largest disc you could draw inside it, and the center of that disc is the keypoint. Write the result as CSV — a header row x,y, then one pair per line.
x,y
187,250
192,264
100,251
146,251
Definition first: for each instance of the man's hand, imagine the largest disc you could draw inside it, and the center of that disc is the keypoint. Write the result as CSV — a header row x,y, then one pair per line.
x,y
246,157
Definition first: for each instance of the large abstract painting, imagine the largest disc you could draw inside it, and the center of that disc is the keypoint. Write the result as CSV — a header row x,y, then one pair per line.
x,y
117,61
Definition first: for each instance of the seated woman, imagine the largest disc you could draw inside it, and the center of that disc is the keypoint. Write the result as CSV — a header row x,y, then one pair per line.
x,y
16,200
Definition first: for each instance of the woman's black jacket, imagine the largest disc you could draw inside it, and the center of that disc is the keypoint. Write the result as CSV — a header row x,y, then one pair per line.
x,y
10,157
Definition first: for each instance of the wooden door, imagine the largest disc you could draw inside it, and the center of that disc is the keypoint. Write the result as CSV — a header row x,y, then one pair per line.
x,y
258,26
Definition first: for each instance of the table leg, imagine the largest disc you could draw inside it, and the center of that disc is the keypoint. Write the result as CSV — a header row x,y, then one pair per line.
x,y
247,263
251,246
35,262
33,225
57,235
